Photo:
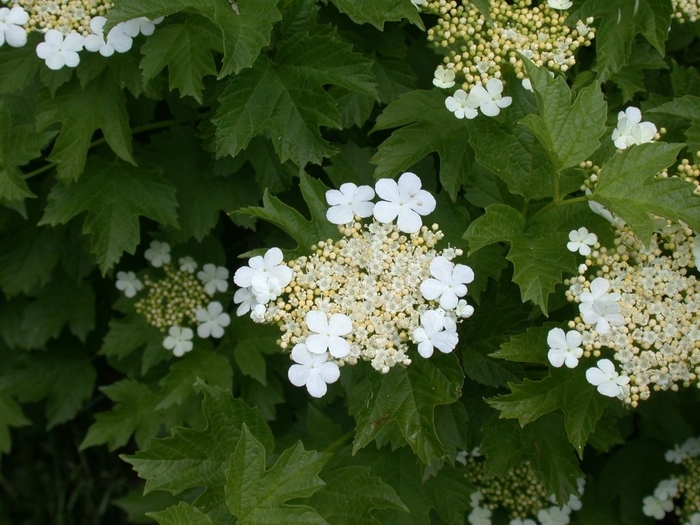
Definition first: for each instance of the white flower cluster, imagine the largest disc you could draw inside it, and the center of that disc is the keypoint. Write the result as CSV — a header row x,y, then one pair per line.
x,y
641,303
631,130
683,488
180,300
69,27
520,494
367,296
686,10
489,100
478,46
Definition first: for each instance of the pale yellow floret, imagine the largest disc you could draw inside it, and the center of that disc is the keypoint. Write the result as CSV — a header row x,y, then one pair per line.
x,y
64,15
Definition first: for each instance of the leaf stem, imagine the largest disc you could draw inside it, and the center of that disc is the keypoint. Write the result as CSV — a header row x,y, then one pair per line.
x,y
556,204
98,142
340,441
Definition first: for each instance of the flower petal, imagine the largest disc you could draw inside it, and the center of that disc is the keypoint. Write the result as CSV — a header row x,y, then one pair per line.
x,y
317,321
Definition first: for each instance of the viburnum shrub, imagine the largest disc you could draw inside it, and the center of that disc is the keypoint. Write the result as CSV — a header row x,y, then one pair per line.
x,y
350,262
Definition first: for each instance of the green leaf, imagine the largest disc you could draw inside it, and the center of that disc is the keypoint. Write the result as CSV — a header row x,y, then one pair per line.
x,y
244,34
305,232
10,416
129,334
201,195
405,399
186,50
500,222
114,195
376,12
196,458
543,442
484,369
258,496
627,186
133,412
427,127
350,495
18,67
182,514
528,347
564,390
568,130
27,258
64,377
180,383
252,343
100,105
295,81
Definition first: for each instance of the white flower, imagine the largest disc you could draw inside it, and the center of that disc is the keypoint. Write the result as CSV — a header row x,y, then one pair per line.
x,y
696,250
656,508
694,519
328,334
270,265
581,241
600,308
631,130
258,313
564,348
606,378
444,78
179,340
141,25
187,264
349,201
116,39
666,489
158,254
463,309
560,4
405,200
418,3
460,105
215,278
476,497
480,516
213,320
518,521
489,99
128,283
448,283
692,447
527,84
689,449
436,331
312,370
245,299
554,516
11,21
265,288
58,52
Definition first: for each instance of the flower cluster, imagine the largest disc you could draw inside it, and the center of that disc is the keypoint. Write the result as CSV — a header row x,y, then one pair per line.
x,y
686,10
69,27
178,300
684,488
641,303
366,296
477,46
519,494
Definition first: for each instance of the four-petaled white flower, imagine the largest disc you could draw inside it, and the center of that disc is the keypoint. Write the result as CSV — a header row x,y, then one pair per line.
x,y
128,283
403,199
581,241
215,278
141,25
187,264
58,51
436,331
158,254
600,308
312,370
554,516
448,284
564,348
489,99
461,105
245,299
464,309
444,78
179,340
560,4
213,320
479,516
269,265
328,334
348,201
666,489
656,508
631,130
605,377
116,40
11,21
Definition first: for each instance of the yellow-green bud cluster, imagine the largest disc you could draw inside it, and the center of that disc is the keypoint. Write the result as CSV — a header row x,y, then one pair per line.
x,y
172,300
64,15
689,489
686,10
479,45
